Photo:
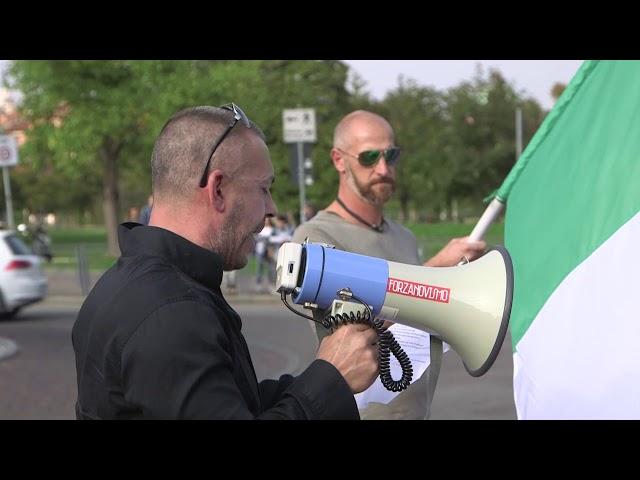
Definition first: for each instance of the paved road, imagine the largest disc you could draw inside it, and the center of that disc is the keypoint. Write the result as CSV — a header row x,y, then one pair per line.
x,y
39,381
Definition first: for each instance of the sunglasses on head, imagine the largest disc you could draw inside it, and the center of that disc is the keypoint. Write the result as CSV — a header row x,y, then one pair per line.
x,y
369,158
238,116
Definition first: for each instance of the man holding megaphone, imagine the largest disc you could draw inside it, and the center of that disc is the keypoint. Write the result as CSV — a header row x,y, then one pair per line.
x,y
155,338
365,155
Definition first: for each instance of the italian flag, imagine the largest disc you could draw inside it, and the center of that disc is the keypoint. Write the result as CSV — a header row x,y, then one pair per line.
x,y
572,227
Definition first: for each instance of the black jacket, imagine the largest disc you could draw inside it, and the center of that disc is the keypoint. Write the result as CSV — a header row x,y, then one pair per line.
x,y
156,339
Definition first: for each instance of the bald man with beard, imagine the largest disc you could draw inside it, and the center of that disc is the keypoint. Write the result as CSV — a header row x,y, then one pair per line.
x,y
365,156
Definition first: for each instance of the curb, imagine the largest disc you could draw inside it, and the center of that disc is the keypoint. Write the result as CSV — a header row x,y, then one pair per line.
x,y
8,348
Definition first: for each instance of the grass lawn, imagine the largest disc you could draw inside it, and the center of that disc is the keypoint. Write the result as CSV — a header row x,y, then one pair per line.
x,y
432,237
66,241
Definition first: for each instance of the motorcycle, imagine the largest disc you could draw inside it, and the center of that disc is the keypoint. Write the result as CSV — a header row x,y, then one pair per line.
x,y
39,240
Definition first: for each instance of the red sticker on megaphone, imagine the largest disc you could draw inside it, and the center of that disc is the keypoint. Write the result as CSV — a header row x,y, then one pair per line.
x,y
418,290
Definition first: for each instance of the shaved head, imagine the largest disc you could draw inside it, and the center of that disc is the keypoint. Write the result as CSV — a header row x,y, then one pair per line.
x,y
355,127
181,150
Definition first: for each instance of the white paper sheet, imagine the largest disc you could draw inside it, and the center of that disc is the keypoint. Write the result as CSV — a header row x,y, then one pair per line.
x,y
415,343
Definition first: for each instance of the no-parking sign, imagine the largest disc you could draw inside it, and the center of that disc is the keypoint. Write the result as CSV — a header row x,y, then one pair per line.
x,y
8,151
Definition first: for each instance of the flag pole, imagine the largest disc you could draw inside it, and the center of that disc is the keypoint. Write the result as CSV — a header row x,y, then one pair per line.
x,y
489,216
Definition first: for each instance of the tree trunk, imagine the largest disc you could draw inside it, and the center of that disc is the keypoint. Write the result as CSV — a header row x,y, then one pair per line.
x,y
455,216
110,202
404,206
444,215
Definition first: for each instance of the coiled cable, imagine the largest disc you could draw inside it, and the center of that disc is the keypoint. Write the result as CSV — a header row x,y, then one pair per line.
x,y
387,344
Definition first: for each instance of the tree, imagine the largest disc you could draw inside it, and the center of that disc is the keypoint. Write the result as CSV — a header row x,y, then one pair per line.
x,y
41,186
557,90
417,115
99,119
321,85
93,125
88,114
482,133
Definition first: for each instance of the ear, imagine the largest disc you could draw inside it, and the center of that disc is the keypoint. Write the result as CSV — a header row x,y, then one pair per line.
x,y
215,190
338,160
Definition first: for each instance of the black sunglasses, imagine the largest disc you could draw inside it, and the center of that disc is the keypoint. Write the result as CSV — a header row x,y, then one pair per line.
x,y
238,115
369,158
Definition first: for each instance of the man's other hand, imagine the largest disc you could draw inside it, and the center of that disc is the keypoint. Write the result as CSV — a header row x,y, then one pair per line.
x,y
457,250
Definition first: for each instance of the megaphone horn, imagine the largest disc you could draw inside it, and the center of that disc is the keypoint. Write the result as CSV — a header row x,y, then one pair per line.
x,y
467,306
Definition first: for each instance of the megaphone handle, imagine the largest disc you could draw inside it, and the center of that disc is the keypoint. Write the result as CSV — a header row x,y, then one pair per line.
x,y
435,354
387,344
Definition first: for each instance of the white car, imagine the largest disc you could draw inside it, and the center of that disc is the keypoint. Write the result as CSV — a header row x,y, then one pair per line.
x,y
22,280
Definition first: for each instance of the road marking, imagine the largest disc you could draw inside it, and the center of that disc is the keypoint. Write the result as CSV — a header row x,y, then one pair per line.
x,y
7,348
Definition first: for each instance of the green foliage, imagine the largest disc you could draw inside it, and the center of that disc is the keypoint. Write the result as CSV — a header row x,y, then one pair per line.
x,y
458,145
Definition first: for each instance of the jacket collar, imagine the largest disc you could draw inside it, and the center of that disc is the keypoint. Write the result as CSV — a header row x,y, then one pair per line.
x,y
202,265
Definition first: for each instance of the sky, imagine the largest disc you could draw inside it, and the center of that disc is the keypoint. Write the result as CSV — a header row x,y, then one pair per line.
x,y
534,77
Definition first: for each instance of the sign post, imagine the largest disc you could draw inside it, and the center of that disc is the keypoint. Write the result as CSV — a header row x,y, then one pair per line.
x,y
8,158
299,127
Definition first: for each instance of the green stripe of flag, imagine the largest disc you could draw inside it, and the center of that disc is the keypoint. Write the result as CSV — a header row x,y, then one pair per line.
x,y
579,182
